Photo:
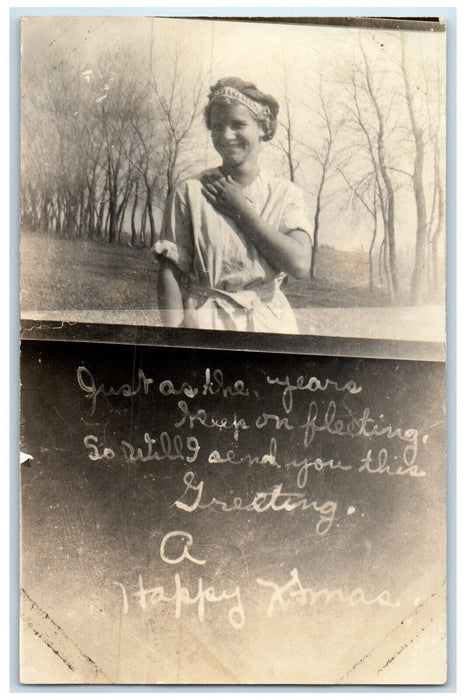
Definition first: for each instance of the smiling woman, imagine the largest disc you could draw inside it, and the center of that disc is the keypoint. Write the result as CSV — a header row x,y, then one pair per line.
x,y
231,234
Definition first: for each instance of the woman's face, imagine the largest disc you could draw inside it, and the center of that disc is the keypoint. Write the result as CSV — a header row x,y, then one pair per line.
x,y
236,135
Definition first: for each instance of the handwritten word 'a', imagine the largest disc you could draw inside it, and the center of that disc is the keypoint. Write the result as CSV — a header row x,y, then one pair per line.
x,y
313,384
274,500
294,592
87,383
180,537
151,597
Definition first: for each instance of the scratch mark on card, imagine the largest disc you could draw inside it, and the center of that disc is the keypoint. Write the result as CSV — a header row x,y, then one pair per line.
x,y
413,637
47,327
55,638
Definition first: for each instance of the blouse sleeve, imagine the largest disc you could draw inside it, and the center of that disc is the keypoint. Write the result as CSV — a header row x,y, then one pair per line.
x,y
294,215
175,241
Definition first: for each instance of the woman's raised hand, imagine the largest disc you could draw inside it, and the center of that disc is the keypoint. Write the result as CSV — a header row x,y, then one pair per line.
x,y
226,196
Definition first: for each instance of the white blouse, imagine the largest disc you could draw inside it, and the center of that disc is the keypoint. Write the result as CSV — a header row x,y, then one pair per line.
x,y
230,285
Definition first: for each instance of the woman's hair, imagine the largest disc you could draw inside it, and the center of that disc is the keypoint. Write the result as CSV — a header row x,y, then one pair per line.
x,y
263,107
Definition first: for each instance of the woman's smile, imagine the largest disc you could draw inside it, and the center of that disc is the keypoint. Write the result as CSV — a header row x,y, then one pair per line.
x,y
236,135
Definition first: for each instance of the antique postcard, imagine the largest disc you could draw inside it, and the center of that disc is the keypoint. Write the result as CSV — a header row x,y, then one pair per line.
x,y
233,422
116,130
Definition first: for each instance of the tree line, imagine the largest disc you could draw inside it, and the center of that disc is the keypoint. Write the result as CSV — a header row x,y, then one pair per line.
x,y
103,145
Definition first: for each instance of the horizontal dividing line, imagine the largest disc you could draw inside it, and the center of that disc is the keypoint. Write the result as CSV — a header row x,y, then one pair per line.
x,y
234,340
423,24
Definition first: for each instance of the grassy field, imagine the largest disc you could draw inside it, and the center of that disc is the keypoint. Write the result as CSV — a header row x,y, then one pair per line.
x,y
60,273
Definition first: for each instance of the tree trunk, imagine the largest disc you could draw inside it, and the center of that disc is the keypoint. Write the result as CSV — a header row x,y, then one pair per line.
x,y
419,275
122,207
121,216
90,217
142,232
289,153
150,211
436,239
371,250
133,216
112,216
58,223
315,242
81,214
100,218
389,216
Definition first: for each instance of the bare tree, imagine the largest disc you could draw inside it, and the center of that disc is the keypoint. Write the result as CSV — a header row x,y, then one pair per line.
x,y
370,108
380,151
365,192
102,138
286,141
434,82
309,149
419,276
323,149
178,103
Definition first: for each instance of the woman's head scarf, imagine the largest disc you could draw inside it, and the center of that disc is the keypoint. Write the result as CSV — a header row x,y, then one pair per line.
x,y
263,107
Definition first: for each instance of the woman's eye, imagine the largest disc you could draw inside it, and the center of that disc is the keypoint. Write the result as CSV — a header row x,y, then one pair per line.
x,y
234,126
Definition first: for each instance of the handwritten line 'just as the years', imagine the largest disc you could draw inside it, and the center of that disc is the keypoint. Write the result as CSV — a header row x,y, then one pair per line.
x,y
213,383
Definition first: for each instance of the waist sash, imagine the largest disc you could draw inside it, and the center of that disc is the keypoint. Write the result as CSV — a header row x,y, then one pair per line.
x,y
245,299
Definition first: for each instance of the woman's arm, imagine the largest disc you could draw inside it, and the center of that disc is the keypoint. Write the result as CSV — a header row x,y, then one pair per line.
x,y
290,253
169,293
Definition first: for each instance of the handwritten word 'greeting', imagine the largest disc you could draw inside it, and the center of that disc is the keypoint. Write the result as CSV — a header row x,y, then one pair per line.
x,y
274,500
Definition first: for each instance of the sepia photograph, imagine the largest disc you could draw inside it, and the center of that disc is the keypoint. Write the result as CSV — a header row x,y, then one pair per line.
x,y
233,425
255,176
